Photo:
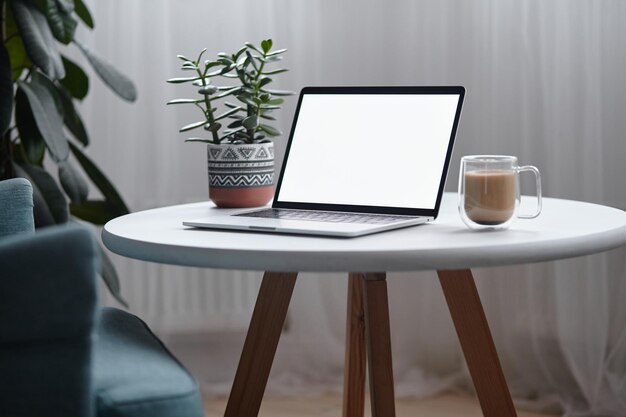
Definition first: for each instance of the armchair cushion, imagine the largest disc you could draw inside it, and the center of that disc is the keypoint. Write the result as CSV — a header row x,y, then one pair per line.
x,y
135,375
16,207
47,315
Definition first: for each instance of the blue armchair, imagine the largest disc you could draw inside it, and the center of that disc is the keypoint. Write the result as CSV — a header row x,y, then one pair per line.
x,y
61,354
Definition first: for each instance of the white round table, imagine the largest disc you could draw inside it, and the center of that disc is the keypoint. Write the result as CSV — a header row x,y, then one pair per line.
x,y
564,229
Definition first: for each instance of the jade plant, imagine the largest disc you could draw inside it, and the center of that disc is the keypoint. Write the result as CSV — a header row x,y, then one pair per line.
x,y
244,122
40,126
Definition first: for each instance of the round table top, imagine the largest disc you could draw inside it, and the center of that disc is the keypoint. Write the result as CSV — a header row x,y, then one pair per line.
x,y
564,229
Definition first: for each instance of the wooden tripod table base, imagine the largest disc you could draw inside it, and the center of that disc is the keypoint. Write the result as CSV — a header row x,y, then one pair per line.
x,y
368,340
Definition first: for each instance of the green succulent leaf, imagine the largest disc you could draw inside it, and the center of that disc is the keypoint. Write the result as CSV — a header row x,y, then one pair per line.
x,y
276,71
265,116
235,124
192,126
38,39
276,101
276,52
32,142
251,46
200,55
198,140
46,114
228,113
72,182
212,127
118,82
239,52
228,92
184,58
180,80
100,180
207,90
71,118
263,81
6,90
251,122
75,81
251,60
279,92
266,45
82,11
50,203
184,101
270,130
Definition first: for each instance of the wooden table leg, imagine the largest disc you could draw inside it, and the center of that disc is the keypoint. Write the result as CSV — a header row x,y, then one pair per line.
x,y
259,348
355,356
378,337
476,341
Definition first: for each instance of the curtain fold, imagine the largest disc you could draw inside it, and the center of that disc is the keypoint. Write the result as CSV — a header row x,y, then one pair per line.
x,y
545,81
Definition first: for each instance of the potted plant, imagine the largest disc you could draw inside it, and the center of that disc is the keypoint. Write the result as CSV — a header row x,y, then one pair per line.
x,y
239,149
40,123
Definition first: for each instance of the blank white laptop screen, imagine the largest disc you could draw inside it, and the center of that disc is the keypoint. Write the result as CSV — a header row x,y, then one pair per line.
x,y
369,149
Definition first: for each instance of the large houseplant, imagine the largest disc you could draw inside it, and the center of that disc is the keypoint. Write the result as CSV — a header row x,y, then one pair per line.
x,y
39,122
240,152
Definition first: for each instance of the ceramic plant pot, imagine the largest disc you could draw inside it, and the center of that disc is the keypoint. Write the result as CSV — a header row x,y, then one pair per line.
x,y
241,175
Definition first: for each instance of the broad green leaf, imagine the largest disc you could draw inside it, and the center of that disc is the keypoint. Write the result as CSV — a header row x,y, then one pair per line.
x,y
37,37
109,276
236,123
62,24
47,118
71,118
82,11
75,81
266,45
94,211
17,53
50,203
38,79
6,91
251,122
192,126
32,142
66,6
118,82
180,80
185,101
72,182
270,130
100,180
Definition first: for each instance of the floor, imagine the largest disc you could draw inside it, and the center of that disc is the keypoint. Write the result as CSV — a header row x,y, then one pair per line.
x,y
330,405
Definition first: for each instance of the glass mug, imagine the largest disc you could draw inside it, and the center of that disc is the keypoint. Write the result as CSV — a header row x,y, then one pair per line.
x,y
489,192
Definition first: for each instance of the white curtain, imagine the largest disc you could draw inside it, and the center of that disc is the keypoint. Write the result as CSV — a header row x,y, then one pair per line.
x,y
545,81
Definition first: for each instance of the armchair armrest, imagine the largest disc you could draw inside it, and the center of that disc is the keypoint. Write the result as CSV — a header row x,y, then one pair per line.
x,y
47,315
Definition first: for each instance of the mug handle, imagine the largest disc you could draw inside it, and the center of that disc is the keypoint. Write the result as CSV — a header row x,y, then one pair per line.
x,y
538,184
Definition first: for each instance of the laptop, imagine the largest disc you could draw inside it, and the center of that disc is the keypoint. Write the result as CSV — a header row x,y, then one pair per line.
x,y
359,160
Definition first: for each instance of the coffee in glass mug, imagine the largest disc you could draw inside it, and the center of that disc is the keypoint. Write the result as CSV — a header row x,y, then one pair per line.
x,y
489,194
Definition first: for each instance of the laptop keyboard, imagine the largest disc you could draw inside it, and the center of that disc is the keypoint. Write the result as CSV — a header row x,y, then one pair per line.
x,y
324,216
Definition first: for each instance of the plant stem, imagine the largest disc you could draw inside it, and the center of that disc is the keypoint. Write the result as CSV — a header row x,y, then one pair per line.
x,y
252,132
207,101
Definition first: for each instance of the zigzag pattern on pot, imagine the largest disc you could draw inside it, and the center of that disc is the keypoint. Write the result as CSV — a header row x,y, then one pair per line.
x,y
255,180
